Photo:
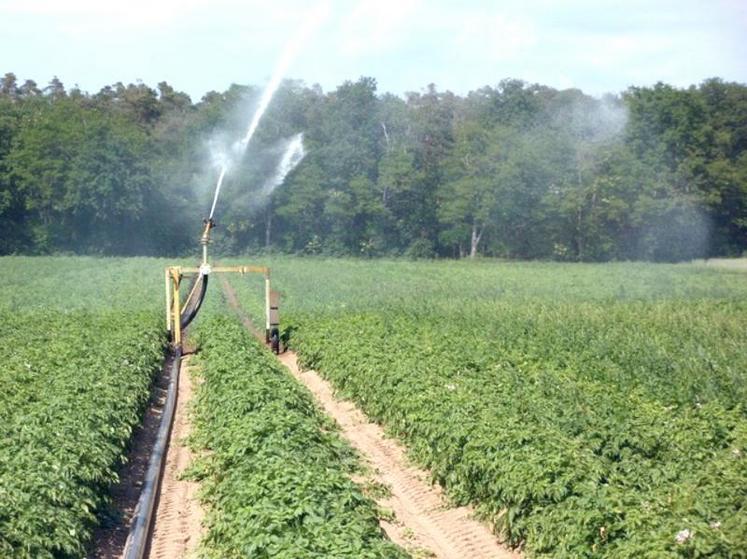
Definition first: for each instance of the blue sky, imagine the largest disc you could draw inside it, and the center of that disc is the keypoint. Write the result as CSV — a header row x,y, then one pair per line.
x,y
203,45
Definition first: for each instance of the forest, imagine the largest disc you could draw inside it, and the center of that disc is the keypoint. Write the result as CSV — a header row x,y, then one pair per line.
x,y
516,170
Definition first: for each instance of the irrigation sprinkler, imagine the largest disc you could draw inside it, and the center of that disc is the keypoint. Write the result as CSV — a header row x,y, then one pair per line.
x,y
180,312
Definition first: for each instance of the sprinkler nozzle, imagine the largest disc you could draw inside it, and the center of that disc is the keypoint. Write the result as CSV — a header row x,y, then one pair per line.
x,y
205,239
209,224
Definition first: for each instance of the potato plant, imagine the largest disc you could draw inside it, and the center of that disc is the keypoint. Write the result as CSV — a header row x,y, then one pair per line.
x,y
80,341
274,473
75,385
587,411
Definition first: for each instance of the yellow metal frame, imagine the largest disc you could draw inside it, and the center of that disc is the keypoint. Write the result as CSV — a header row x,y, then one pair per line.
x,y
173,277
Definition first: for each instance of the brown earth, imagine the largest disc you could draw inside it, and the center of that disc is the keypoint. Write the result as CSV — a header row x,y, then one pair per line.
x,y
424,523
178,516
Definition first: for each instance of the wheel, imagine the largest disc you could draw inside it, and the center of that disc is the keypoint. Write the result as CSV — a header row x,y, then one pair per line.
x,y
275,341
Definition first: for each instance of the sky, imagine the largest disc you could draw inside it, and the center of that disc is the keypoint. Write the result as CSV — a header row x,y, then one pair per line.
x,y
203,45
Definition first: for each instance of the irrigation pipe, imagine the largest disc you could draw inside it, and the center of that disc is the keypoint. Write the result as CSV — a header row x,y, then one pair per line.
x,y
137,540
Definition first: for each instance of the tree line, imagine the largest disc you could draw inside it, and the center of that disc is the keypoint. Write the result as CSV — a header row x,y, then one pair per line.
x,y
515,170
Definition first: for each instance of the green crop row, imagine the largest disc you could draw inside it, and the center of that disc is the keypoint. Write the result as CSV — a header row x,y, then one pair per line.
x,y
588,411
576,467
80,341
74,388
274,473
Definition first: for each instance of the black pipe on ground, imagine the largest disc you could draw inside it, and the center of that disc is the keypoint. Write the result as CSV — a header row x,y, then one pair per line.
x,y
142,523
191,307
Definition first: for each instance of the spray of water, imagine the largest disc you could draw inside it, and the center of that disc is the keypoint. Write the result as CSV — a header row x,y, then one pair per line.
x,y
292,156
312,22
315,18
222,175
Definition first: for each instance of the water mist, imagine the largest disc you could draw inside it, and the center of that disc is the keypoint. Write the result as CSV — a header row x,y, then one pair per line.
x,y
311,22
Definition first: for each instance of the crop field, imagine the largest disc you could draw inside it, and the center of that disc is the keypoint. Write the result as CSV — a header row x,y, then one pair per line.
x,y
80,341
586,410
275,478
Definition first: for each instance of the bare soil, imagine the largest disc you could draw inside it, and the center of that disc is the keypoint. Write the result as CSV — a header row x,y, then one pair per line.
x,y
110,538
423,522
178,517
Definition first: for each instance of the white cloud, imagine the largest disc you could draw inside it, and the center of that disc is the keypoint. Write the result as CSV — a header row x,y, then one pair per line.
x,y
148,15
621,50
376,26
495,36
200,45
134,13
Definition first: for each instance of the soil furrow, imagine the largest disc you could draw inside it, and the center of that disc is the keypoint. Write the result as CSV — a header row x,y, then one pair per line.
x,y
424,523
178,517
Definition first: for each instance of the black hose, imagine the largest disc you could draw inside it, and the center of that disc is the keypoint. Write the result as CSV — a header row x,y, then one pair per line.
x,y
192,306
142,522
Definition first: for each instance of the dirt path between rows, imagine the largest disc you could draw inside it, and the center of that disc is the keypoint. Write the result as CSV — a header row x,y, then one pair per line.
x,y
423,523
109,540
178,516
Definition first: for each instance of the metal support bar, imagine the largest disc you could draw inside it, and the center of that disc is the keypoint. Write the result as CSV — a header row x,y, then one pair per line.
x,y
225,269
168,300
176,308
205,239
174,275
267,305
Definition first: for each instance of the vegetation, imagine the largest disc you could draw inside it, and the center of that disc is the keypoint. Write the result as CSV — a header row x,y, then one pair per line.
x,y
80,341
274,473
586,410
589,411
78,350
517,170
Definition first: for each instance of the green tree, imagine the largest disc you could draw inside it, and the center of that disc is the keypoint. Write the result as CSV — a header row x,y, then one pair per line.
x,y
468,198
